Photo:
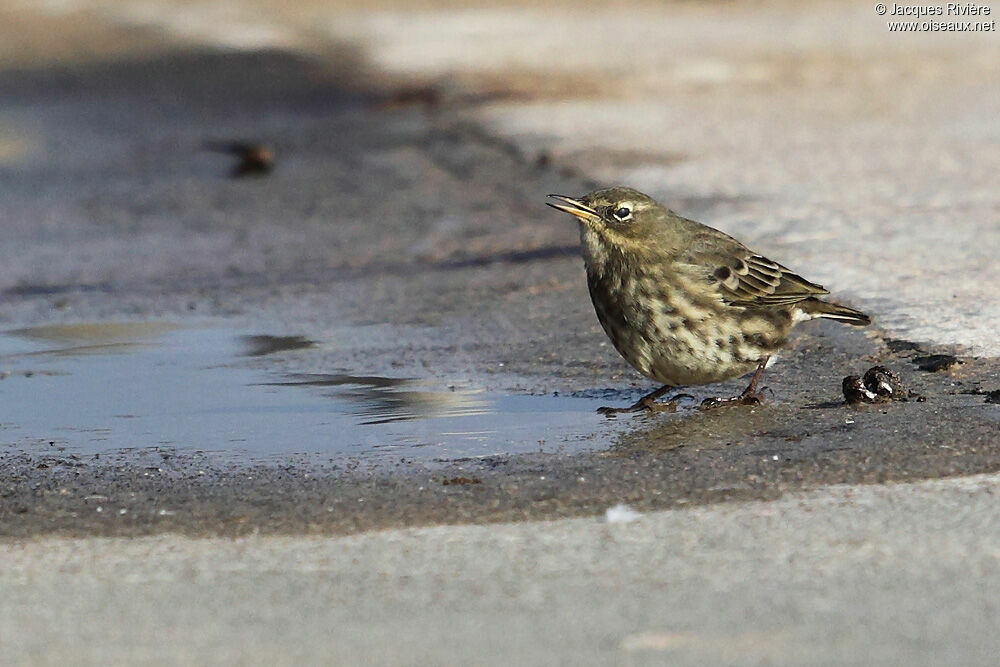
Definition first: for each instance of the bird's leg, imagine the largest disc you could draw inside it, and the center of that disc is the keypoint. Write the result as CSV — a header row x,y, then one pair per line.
x,y
647,402
750,395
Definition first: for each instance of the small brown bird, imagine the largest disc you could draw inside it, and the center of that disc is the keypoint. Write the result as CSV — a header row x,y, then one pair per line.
x,y
684,303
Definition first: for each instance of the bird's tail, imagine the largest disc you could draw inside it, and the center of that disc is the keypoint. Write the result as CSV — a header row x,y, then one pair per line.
x,y
813,307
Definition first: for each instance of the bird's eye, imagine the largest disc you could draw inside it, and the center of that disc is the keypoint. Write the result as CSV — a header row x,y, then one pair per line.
x,y
623,213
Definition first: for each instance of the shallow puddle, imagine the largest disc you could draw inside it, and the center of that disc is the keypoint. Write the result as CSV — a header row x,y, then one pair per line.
x,y
96,388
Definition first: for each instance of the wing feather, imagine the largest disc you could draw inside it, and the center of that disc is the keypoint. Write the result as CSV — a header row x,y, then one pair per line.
x,y
744,278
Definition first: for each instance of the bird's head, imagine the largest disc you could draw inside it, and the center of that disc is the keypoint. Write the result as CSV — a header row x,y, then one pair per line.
x,y
619,217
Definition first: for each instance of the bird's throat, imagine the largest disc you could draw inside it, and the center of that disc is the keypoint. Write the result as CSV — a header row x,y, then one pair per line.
x,y
594,248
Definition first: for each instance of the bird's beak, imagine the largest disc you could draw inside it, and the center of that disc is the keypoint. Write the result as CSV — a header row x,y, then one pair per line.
x,y
574,207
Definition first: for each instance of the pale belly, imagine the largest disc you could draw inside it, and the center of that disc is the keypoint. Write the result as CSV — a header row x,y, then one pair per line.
x,y
682,357
683,343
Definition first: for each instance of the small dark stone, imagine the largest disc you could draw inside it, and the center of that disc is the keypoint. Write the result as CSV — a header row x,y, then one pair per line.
x,y
855,391
993,396
254,159
885,384
879,385
897,345
462,481
932,363
425,96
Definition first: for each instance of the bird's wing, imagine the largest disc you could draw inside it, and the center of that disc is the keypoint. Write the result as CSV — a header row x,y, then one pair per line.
x,y
744,278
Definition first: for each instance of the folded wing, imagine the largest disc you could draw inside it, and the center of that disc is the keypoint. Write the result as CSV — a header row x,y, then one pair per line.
x,y
744,278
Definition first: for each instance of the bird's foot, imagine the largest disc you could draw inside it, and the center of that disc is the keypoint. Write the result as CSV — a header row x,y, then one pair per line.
x,y
746,398
646,404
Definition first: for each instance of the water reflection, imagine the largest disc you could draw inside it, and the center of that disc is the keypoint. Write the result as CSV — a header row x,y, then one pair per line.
x,y
99,387
260,345
86,338
382,400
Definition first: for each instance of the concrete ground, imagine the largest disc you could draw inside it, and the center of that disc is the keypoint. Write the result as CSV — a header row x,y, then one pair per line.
x,y
404,228
872,575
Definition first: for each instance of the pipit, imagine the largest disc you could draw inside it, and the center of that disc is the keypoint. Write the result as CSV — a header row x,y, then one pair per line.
x,y
683,303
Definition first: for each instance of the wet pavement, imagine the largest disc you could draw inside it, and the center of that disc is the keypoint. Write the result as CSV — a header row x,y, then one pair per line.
x,y
374,458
